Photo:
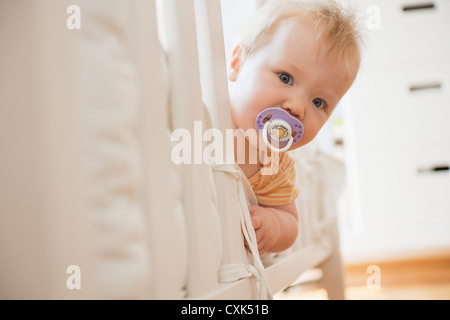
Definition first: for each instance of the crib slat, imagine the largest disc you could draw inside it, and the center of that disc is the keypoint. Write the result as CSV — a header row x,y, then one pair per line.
x,y
212,61
166,226
199,194
213,76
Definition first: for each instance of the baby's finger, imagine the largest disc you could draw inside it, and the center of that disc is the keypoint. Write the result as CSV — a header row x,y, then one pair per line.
x,y
259,236
252,209
262,247
256,222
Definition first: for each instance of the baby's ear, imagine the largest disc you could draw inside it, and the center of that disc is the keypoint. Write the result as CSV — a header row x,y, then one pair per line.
x,y
235,63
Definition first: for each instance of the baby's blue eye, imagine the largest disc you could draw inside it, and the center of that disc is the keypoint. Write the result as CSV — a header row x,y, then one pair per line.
x,y
318,103
285,78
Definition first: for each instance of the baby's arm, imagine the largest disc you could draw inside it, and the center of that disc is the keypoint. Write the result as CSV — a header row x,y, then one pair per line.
x,y
276,228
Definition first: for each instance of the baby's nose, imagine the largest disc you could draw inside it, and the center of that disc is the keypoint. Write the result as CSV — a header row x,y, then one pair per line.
x,y
295,112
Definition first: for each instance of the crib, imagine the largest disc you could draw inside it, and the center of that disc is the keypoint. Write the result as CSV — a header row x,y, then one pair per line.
x,y
87,118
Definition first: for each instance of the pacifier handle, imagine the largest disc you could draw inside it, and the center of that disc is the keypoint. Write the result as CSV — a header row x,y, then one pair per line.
x,y
266,141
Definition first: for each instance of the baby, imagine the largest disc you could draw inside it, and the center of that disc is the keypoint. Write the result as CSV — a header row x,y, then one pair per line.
x,y
301,57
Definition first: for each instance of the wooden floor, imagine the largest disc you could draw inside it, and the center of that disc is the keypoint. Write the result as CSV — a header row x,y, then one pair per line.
x,y
408,280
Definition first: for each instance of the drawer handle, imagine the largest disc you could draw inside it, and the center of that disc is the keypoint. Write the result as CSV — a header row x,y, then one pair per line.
x,y
427,86
415,7
439,168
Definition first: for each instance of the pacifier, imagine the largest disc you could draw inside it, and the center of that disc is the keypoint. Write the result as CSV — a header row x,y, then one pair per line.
x,y
278,128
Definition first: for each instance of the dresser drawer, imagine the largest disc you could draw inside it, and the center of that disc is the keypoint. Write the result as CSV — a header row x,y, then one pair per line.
x,y
407,104
405,184
404,30
426,103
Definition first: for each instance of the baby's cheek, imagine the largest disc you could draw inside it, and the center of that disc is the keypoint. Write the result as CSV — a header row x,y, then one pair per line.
x,y
311,131
239,115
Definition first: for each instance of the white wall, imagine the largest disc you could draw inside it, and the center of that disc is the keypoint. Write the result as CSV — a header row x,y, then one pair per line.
x,y
234,15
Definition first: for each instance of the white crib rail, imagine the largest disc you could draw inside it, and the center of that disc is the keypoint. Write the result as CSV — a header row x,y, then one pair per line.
x,y
94,176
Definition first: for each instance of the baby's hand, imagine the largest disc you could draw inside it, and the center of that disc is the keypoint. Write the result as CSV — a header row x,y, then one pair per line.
x,y
267,227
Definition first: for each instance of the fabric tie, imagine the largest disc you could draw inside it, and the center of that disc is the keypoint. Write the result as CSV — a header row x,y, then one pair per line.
x,y
233,272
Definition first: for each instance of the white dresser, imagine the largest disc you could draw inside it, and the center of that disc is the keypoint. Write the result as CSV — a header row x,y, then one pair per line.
x,y
397,138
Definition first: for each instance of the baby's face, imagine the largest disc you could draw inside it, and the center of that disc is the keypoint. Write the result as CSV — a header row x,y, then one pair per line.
x,y
293,72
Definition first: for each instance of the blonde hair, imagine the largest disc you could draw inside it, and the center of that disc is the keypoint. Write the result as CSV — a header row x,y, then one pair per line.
x,y
335,25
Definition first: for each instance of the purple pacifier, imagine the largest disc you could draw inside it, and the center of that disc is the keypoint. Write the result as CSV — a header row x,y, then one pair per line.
x,y
278,128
